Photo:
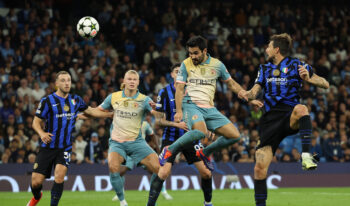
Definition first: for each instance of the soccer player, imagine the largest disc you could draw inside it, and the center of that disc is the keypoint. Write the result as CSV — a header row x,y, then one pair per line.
x,y
199,74
146,130
58,111
166,108
130,108
281,80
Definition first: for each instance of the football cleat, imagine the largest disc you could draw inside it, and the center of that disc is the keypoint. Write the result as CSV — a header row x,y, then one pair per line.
x,y
206,160
164,156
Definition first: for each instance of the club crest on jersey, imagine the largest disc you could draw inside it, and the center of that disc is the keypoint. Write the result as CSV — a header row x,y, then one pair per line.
x,y
66,108
213,72
126,104
276,72
73,101
136,105
202,71
194,117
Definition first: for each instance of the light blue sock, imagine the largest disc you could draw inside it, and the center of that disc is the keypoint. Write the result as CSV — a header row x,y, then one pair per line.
x,y
220,143
186,139
118,184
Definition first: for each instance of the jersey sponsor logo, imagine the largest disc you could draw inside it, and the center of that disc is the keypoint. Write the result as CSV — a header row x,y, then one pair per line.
x,y
277,80
125,114
276,72
68,115
203,81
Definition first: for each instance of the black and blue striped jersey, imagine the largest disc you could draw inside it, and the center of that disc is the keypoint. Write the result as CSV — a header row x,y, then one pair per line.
x,y
281,83
166,104
60,114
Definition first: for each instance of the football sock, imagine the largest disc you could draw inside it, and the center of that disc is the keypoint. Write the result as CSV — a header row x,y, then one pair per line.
x,y
305,129
218,144
260,190
36,192
185,139
117,184
56,193
156,187
207,189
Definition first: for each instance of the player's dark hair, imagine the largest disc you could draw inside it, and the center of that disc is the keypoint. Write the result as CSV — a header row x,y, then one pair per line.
x,y
175,66
197,41
61,72
282,41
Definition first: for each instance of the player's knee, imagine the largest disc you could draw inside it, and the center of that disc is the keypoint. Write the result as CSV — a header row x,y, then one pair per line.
x,y
59,179
300,110
36,183
198,133
163,173
260,170
113,167
205,174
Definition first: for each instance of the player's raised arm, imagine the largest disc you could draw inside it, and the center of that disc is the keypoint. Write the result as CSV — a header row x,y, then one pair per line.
x,y
314,79
97,113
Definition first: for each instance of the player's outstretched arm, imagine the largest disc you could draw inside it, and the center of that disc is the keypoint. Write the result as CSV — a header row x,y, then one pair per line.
x,y
315,79
253,92
97,113
161,121
236,88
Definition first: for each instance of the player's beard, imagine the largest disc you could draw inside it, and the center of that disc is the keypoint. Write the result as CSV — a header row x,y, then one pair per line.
x,y
271,58
65,90
199,60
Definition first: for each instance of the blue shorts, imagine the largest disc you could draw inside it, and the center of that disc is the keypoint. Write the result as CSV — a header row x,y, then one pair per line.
x,y
211,116
137,150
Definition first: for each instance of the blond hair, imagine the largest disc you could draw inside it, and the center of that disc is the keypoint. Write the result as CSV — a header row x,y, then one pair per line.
x,y
122,86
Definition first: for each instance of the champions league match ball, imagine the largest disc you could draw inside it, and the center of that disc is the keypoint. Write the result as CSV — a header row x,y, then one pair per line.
x,y
88,27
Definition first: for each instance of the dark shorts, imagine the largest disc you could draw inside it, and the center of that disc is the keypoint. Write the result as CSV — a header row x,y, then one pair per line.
x,y
275,126
189,152
48,158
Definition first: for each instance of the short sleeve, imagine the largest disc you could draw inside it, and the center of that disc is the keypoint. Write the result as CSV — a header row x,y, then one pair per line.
x,y
182,75
43,108
82,105
309,68
106,104
224,74
259,79
161,101
146,105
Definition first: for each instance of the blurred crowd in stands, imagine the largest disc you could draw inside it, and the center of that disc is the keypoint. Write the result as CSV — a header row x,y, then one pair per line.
x,y
39,38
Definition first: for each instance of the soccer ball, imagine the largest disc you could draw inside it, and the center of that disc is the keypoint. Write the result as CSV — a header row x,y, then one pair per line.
x,y
88,27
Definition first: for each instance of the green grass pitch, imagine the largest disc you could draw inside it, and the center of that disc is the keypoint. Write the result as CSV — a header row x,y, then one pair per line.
x,y
244,197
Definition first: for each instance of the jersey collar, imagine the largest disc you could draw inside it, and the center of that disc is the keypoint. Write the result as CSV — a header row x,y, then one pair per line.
x,y
133,97
208,60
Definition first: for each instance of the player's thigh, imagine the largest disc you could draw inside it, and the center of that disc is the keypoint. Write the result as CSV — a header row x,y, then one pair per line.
x,y
60,172
151,162
37,179
228,131
165,170
202,169
139,150
114,161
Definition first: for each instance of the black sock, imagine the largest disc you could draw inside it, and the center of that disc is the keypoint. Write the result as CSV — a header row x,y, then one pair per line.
x,y
36,191
56,193
207,189
260,189
305,130
156,187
